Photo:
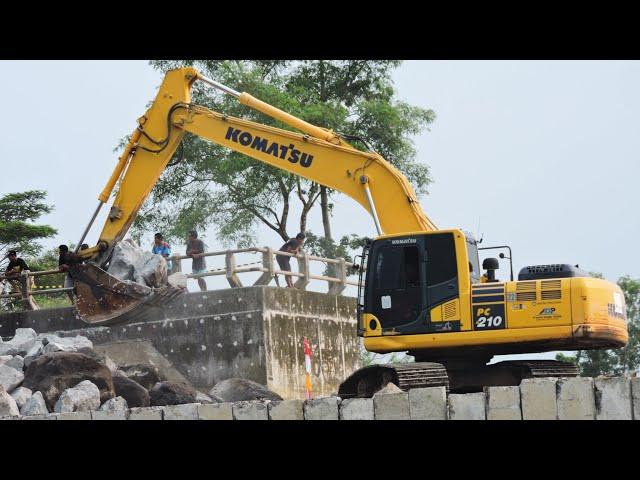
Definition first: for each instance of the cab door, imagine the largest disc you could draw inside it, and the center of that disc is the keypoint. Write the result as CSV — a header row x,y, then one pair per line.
x,y
396,286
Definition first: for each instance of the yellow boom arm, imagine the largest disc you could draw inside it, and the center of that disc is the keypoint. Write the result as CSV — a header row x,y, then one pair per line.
x,y
318,155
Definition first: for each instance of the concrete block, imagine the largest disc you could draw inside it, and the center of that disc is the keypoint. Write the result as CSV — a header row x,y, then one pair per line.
x,y
286,410
635,393
45,416
250,411
357,409
503,403
146,413
613,398
538,399
109,414
74,416
326,408
187,411
576,399
428,403
467,406
391,406
215,411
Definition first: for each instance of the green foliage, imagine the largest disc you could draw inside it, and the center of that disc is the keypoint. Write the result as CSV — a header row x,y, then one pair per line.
x,y
620,361
348,247
18,211
215,186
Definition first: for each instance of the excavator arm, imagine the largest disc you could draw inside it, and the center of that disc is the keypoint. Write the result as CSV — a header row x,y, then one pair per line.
x,y
316,154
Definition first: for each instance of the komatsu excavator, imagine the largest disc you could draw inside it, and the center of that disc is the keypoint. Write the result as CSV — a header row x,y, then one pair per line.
x,y
421,288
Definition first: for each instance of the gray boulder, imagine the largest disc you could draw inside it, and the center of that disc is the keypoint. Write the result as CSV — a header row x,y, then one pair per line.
x,y
117,403
172,393
10,378
131,263
241,389
35,405
21,343
83,397
203,398
53,373
33,353
388,388
145,375
54,343
5,358
134,393
21,395
8,406
16,362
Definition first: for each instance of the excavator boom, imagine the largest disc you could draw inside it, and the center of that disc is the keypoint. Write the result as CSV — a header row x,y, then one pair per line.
x,y
317,154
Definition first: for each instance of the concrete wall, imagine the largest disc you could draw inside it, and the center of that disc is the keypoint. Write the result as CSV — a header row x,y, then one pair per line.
x,y
206,337
546,399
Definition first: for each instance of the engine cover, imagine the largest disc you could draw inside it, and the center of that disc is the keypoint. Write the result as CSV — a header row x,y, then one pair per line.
x,y
558,270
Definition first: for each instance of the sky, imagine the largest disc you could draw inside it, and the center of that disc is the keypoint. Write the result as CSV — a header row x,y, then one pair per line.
x,y
538,155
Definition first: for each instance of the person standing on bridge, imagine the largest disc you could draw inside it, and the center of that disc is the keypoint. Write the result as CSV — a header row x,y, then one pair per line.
x,y
293,245
63,264
161,247
195,249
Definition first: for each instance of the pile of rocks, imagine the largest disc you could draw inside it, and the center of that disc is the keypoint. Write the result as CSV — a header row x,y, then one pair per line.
x,y
44,373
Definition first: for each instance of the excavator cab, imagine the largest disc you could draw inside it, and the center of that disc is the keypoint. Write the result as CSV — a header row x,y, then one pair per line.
x,y
414,283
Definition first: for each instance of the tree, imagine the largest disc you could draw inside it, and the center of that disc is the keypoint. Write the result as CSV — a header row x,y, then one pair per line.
x,y
620,361
212,185
18,211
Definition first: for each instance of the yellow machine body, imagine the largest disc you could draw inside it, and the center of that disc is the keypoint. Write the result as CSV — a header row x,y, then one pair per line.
x,y
507,317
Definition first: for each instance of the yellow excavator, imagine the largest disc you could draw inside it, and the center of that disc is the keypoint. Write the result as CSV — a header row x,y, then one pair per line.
x,y
421,289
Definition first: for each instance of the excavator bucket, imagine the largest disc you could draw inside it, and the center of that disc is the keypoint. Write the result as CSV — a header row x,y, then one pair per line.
x,y
102,299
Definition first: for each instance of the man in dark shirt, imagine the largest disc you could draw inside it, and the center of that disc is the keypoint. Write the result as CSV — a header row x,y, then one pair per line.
x,y
294,246
14,270
63,264
16,265
195,246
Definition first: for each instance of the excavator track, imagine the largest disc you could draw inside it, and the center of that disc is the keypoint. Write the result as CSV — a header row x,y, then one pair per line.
x,y
542,368
366,381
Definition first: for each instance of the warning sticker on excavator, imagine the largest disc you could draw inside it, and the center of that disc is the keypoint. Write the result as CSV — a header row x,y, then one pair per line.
x,y
385,300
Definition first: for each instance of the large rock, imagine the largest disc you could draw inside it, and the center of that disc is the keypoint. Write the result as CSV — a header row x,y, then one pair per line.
x,y
53,373
8,406
54,343
84,397
172,393
203,398
117,403
240,390
33,353
145,375
134,393
23,340
10,378
131,263
21,395
16,362
35,405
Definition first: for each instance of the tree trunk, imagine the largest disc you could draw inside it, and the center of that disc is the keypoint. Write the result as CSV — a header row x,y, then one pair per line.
x,y
326,219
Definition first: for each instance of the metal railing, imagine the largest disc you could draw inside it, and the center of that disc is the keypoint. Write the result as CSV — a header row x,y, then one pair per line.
x,y
266,266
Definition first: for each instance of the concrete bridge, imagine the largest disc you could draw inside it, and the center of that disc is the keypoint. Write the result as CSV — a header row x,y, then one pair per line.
x,y
250,332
